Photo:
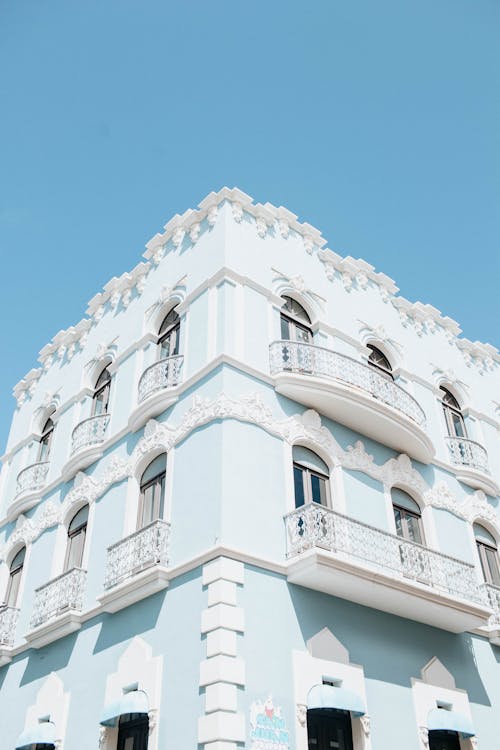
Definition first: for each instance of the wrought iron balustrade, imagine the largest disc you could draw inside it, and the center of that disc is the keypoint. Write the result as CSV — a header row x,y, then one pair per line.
x,y
58,596
8,623
142,549
163,374
314,525
89,432
492,594
464,452
307,359
32,477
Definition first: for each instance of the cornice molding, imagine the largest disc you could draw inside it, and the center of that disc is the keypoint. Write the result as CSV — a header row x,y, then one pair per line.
x,y
304,428
354,274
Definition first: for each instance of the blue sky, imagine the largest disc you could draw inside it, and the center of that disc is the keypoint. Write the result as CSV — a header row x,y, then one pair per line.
x,y
377,122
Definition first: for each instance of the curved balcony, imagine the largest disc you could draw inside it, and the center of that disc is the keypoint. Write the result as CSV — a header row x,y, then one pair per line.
x,y
492,594
57,608
136,566
352,393
471,462
347,558
157,390
86,444
32,478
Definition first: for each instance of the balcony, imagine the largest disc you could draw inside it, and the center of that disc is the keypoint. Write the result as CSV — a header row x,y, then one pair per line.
x,y
32,478
352,393
157,390
86,444
8,624
137,567
57,608
336,554
471,464
29,486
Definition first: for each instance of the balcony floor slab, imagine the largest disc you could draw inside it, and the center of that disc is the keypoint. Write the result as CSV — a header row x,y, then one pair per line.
x,y
136,587
477,479
333,574
152,406
59,627
357,409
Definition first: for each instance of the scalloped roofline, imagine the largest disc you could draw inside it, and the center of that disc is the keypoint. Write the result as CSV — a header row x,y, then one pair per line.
x,y
352,272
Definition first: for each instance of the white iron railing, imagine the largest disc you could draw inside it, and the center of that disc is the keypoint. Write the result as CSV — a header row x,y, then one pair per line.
x,y
32,477
492,594
89,432
59,595
140,550
163,374
314,525
307,359
464,452
8,623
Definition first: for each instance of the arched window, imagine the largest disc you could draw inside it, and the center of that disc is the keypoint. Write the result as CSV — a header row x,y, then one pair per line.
x,y
152,490
453,415
407,516
101,393
15,573
77,531
488,554
168,337
133,730
295,322
46,441
379,360
310,477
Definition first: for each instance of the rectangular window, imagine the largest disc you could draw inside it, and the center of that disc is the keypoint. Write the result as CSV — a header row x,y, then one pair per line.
x,y
298,480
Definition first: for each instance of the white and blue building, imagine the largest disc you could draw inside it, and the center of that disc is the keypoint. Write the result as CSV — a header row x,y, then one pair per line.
x,y
250,501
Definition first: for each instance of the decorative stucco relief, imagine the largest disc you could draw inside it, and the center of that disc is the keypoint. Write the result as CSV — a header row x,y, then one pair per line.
x,y
306,427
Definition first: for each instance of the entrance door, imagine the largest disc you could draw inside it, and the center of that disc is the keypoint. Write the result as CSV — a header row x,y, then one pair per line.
x,y
443,741
133,732
328,729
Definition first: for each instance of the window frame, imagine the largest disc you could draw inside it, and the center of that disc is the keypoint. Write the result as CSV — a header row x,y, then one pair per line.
x,y
452,408
307,473
45,441
159,479
18,572
295,322
385,370
482,550
173,328
71,535
404,512
104,388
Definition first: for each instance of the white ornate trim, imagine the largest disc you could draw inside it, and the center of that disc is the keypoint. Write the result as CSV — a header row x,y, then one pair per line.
x,y
301,428
282,283
302,714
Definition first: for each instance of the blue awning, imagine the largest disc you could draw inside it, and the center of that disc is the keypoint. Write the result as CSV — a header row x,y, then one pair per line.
x,y
440,718
329,696
133,702
43,733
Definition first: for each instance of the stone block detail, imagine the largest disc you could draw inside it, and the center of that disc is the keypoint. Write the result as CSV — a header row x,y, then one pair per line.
x,y
222,672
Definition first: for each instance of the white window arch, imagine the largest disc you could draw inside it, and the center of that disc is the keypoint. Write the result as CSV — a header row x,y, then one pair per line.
x,y
152,491
295,322
169,334
76,537
378,360
12,594
311,477
102,389
45,441
487,549
453,416
407,516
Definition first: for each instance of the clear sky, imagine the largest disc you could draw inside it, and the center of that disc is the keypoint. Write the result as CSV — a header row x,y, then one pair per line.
x,y
376,121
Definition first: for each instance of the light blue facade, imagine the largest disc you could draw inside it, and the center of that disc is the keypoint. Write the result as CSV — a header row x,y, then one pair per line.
x,y
235,604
